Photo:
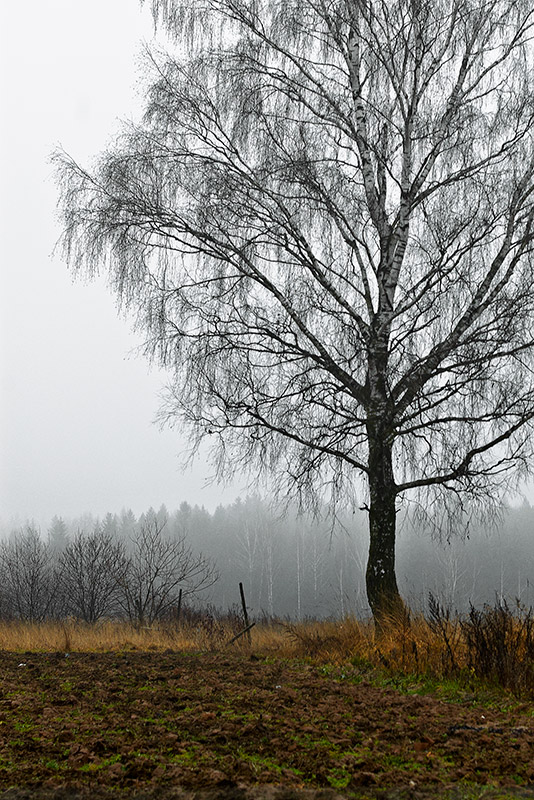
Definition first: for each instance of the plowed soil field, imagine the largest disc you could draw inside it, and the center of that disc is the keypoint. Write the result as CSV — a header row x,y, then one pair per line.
x,y
174,725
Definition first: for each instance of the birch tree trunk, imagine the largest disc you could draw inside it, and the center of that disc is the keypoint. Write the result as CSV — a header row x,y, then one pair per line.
x,y
381,583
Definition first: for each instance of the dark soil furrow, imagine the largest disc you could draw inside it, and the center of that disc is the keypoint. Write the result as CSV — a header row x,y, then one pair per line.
x,y
152,722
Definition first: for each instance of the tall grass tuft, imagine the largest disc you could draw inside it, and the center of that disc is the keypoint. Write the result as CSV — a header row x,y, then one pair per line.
x,y
500,645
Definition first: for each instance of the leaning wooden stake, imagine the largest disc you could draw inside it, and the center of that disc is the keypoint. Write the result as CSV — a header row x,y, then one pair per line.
x,y
179,608
245,613
242,633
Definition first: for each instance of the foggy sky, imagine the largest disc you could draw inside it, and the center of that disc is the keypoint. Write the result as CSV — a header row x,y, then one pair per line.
x,y
76,404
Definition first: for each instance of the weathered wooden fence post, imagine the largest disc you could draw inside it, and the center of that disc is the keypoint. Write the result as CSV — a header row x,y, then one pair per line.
x,y
245,613
179,608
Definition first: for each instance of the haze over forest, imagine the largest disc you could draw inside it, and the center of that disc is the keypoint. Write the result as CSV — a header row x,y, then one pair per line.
x,y
297,566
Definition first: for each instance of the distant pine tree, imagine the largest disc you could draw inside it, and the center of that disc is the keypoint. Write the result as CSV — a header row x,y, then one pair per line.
x,y
58,538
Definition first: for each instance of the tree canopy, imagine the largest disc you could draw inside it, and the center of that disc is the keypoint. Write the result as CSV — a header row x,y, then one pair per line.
x,y
324,224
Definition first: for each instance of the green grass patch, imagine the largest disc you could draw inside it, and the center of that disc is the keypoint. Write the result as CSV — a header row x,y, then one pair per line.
x,y
98,765
339,778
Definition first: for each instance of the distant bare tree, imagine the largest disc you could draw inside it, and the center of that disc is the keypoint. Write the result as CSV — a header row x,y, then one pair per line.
x,y
158,567
325,224
28,576
92,566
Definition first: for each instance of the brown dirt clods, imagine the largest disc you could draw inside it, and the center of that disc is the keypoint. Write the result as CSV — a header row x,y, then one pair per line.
x,y
175,725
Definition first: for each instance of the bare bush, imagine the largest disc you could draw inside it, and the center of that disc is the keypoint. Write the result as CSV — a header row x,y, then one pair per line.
x,y
500,645
92,566
158,567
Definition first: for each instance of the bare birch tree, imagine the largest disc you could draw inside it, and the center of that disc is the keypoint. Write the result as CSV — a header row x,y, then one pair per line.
x,y
324,224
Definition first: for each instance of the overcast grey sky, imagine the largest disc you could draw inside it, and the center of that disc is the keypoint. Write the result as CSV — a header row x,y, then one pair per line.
x,y
77,408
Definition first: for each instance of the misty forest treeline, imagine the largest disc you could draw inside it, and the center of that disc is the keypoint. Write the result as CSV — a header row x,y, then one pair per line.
x,y
291,565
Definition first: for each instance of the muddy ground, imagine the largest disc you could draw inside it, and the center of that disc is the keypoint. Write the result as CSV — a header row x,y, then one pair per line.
x,y
162,726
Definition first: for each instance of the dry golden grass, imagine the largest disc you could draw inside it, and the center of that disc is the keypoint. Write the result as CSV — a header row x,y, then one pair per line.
x,y
410,648
106,636
333,641
437,647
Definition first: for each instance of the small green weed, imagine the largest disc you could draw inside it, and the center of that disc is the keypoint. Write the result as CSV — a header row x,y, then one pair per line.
x,y
339,778
189,756
23,727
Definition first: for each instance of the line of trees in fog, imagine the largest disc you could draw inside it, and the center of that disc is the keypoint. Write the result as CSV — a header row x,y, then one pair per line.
x,y
291,565
96,574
